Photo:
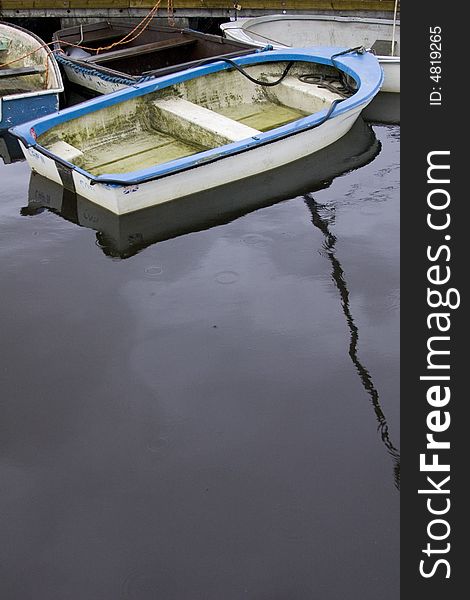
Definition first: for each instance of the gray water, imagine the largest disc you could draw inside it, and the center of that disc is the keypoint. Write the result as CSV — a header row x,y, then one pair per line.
x,y
214,416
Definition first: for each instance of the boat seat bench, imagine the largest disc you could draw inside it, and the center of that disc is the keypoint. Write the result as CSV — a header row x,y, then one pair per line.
x,y
307,97
138,50
90,37
200,125
65,150
20,72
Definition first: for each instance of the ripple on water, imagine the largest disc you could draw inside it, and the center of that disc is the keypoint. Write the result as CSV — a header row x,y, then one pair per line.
x,y
154,271
227,277
256,239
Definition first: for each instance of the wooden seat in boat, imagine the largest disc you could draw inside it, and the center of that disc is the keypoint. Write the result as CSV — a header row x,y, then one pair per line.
x,y
186,120
65,150
175,42
101,37
20,72
307,97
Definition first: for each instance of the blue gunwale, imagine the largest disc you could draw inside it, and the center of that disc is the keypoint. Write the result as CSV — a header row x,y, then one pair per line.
x,y
363,68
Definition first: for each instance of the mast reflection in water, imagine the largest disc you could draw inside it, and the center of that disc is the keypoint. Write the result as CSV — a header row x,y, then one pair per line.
x,y
337,274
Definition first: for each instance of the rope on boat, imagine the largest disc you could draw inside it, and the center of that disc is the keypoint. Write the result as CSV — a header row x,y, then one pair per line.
x,y
171,13
345,87
394,27
78,68
326,83
42,46
199,63
306,78
140,28
343,78
245,74
49,53
356,49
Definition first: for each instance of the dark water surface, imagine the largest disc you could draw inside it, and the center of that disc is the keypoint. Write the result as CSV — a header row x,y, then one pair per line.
x,y
214,417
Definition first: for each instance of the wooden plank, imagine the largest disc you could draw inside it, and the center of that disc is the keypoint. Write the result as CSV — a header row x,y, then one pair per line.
x,y
307,5
44,4
62,4
301,5
20,72
91,37
114,4
138,50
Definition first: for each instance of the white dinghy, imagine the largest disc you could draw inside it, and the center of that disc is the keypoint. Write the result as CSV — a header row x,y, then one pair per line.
x,y
202,128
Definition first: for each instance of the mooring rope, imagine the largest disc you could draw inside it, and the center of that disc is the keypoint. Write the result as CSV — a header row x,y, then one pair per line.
x,y
139,28
394,27
245,74
305,77
78,68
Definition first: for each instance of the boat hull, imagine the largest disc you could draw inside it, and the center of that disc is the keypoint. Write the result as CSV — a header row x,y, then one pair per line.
x,y
10,150
15,110
391,69
125,199
229,150
89,83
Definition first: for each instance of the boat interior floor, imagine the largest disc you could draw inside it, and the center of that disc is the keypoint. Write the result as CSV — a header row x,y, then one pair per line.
x,y
124,152
138,150
262,116
11,91
19,80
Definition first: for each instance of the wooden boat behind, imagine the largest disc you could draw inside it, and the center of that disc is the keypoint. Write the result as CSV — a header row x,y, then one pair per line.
x,y
202,128
30,80
97,59
325,30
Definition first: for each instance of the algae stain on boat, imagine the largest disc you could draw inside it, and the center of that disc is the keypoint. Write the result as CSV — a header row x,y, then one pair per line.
x,y
187,118
263,116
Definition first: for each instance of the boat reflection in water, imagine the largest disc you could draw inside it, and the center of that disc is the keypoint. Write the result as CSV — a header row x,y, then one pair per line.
x,y
10,150
384,108
323,223
125,235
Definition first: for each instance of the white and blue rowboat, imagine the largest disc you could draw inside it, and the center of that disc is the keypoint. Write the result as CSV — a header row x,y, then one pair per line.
x,y
382,36
202,128
30,86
